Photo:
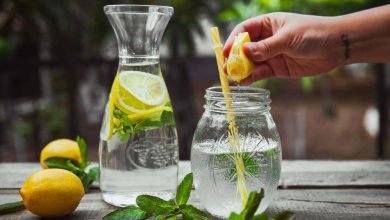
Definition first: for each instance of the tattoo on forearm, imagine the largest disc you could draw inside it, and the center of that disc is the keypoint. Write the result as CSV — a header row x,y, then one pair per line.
x,y
345,39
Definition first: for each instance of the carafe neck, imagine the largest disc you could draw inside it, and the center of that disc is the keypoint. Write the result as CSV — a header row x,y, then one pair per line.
x,y
138,28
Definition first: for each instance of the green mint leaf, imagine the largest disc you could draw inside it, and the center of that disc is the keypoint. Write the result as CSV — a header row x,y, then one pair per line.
x,y
11,207
189,211
75,169
155,205
94,173
235,216
252,204
86,180
261,216
147,125
271,154
63,163
285,215
167,118
166,217
84,152
184,190
129,213
124,136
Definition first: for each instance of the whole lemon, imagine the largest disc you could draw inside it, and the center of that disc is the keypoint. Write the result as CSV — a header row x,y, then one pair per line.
x,y
52,192
65,148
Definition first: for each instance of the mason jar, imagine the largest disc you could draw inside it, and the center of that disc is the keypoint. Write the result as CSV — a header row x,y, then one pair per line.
x,y
227,163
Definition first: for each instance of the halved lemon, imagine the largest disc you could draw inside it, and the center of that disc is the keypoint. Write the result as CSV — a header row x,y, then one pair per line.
x,y
108,120
139,91
238,65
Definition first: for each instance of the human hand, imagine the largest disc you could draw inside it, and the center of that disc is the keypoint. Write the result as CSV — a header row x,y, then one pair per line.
x,y
289,45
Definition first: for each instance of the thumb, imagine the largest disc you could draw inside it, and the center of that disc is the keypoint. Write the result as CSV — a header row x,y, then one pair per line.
x,y
265,49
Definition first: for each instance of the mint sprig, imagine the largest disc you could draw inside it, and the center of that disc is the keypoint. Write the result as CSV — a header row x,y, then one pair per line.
x,y
163,209
125,127
86,178
253,202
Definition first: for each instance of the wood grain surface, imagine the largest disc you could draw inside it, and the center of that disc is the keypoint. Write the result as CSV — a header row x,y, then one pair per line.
x,y
311,189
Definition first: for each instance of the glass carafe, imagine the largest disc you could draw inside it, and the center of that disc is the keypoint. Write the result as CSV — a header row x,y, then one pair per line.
x,y
138,150
214,160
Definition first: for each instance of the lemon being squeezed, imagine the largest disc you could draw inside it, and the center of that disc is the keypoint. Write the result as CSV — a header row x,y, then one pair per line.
x,y
238,65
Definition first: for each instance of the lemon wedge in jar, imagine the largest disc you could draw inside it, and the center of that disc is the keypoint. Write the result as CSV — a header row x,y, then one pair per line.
x,y
238,65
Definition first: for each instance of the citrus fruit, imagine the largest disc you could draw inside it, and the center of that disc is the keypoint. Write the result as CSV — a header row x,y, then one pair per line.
x,y
139,91
52,192
238,65
107,124
151,113
65,148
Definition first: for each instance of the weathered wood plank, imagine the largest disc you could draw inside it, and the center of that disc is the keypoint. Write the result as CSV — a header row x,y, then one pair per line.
x,y
295,174
345,174
307,204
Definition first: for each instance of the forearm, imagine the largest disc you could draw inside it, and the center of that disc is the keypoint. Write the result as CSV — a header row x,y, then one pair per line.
x,y
364,36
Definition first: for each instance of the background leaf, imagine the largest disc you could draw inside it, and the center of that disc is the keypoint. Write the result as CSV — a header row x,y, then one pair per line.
x,y
184,190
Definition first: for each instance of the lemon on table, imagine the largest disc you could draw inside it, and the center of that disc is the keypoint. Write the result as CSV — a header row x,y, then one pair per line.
x,y
238,65
139,91
65,148
52,192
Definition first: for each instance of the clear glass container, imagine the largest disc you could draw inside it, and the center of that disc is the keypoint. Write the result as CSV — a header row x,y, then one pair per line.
x,y
138,151
213,158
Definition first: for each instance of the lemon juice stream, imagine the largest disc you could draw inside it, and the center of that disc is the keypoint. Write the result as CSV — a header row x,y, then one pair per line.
x,y
138,148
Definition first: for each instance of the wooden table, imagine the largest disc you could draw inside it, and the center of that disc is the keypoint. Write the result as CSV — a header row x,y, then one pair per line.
x,y
311,189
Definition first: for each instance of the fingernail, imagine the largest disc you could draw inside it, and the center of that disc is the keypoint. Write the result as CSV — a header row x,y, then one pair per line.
x,y
250,47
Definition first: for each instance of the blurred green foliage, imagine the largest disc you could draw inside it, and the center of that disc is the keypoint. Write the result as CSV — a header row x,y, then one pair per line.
x,y
74,30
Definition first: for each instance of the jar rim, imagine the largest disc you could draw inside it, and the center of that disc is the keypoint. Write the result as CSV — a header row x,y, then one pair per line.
x,y
138,9
236,90
241,99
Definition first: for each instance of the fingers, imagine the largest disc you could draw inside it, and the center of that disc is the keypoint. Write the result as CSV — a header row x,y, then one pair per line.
x,y
265,49
253,26
261,71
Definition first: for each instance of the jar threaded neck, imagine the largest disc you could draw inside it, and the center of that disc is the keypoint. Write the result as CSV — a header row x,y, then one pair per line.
x,y
243,99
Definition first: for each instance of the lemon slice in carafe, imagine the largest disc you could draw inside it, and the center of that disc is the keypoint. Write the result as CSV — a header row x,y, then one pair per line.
x,y
238,65
108,120
139,91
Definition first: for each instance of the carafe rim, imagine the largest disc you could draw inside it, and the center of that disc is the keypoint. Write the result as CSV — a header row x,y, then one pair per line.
x,y
138,9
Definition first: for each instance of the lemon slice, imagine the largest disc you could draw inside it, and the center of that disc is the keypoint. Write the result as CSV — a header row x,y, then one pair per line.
x,y
139,91
238,65
108,120
151,113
